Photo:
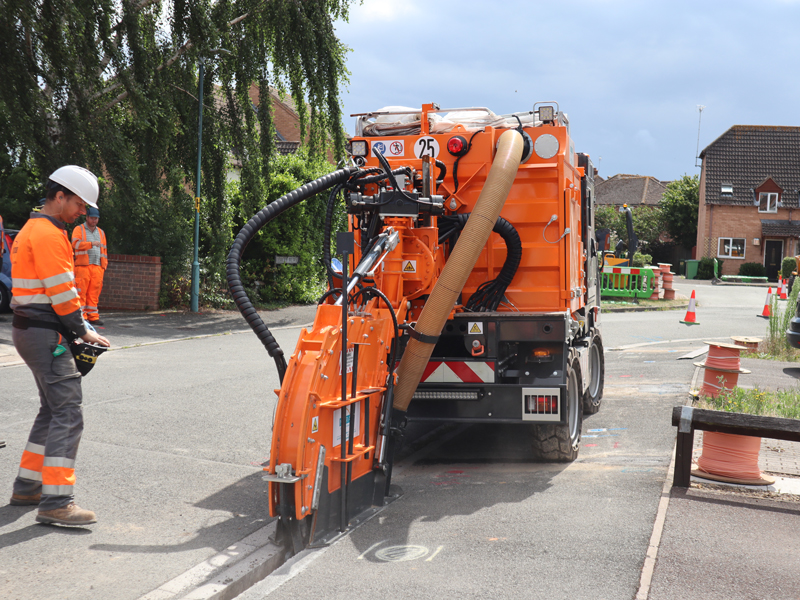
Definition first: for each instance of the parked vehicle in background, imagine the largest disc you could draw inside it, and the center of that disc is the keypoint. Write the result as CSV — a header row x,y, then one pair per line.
x,y
6,239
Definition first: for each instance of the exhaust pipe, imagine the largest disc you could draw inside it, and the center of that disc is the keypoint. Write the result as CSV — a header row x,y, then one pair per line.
x,y
458,267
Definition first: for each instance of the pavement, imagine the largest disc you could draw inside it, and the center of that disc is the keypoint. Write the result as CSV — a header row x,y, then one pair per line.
x,y
729,542
709,541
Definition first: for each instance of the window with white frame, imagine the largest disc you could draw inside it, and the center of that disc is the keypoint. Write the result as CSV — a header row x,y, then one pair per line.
x,y
726,190
768,202
730,247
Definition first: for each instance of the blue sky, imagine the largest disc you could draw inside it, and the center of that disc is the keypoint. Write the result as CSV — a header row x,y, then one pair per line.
x,y
629,74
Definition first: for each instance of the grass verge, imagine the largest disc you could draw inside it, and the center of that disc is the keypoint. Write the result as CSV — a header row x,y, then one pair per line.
x,y
783,403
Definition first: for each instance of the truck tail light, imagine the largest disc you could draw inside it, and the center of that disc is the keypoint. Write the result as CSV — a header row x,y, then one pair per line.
x,y
541,404
457,145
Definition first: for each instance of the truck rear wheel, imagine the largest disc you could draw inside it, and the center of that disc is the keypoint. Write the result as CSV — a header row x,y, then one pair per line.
x,y
596,375
560,442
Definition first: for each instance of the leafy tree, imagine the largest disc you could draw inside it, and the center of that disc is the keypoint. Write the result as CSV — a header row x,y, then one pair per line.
x,y
298,232
111,85
648,223
680,203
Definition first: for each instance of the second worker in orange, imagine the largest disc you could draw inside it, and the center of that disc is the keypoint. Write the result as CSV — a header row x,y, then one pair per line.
x,y
91,260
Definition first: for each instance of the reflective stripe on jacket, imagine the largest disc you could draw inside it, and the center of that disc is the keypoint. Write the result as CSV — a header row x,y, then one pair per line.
x,y
81,247
42,271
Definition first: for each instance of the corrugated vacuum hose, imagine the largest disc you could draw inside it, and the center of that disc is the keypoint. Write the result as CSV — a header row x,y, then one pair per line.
x,y
259,220
458,266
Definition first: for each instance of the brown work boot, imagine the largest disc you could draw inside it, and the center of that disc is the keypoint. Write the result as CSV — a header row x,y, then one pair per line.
x,y
20,500
71,514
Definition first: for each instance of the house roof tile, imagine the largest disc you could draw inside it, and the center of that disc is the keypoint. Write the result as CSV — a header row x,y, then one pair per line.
x,y
633,190
286,147
780,227
745,156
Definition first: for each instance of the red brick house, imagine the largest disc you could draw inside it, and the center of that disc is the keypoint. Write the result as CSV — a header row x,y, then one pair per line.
x,y
749,197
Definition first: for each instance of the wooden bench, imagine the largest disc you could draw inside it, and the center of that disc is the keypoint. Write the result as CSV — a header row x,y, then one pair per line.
x,y
687,419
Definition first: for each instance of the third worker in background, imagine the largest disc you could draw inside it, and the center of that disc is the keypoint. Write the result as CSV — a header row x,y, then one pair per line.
x,y
91,260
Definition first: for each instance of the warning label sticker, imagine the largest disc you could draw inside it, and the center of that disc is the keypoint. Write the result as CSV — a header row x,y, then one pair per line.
x,y
350,353
409,266
337,421
314,424
475,328
389,148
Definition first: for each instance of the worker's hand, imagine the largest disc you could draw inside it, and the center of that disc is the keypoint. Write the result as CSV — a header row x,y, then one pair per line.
x,y
95,244
94,338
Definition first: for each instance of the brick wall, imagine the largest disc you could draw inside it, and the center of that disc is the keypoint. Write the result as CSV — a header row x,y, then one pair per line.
x,y
131,282
738,222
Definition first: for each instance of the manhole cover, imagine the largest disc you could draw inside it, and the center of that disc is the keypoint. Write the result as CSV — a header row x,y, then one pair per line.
x,y
401,553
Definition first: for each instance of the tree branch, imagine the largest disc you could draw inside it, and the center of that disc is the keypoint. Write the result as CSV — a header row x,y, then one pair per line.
x,y
181,51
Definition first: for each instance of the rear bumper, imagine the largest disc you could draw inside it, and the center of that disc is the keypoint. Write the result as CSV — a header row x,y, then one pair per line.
x,y
487,403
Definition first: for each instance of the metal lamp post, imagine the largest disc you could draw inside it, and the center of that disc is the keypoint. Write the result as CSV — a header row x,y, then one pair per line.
x,y
195,291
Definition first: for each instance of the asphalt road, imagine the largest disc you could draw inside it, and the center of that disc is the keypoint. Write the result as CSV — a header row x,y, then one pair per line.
x,y
480,519
176,433
170,458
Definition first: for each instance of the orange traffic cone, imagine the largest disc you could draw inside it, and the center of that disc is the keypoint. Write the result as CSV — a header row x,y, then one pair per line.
x,y
766,313
784,291
690,318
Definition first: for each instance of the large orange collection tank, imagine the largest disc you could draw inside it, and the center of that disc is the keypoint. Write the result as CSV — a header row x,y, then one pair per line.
x,y
550,276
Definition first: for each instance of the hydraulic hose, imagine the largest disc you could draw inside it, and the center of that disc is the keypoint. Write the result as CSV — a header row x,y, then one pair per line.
x,y
490,293
458,267
259,220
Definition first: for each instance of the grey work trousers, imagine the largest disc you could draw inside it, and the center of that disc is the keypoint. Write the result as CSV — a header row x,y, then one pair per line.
x,y
59,424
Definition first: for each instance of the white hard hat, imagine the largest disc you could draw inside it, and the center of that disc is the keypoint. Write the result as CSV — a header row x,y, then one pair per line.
x,y
81,182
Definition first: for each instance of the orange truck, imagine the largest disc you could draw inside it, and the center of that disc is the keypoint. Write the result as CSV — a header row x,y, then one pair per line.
x,y
468,292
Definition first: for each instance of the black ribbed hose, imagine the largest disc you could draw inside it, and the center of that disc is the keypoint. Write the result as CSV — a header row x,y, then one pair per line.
x,y
259,220
490,293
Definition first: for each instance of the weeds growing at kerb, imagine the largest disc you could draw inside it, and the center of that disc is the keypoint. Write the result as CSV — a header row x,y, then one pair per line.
x,y
783,403
775,346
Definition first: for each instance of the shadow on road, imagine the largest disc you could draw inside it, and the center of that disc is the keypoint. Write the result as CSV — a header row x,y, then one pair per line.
x,y
246,502
479,467
10,514
792,372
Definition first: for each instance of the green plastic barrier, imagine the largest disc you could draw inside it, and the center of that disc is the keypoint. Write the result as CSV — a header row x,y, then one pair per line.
x,y
627,282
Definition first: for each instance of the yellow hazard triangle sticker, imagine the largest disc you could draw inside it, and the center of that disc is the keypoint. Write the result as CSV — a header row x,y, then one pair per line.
x,y
410,266
476,328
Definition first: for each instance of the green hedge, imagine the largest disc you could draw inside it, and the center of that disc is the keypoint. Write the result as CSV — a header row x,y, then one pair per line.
x,y
788,265
641,260
705,269
752,269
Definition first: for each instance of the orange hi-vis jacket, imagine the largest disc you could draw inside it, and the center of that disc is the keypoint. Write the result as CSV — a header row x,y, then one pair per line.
x,y
81,247
42,269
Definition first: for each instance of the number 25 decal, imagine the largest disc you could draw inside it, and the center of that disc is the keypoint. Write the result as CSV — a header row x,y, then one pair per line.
x,y
426,146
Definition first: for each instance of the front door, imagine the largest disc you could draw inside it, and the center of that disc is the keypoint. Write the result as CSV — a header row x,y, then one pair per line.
x,y
773,255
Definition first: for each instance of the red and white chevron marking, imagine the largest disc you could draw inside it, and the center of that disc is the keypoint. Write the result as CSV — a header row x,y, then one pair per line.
x,y
458,372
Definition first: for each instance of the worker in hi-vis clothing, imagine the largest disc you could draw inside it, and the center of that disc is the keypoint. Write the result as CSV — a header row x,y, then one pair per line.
x,y
46,303
91,260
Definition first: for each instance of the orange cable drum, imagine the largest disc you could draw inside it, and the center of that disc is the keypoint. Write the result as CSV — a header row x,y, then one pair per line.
x,y
723,357
722,367
729,455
